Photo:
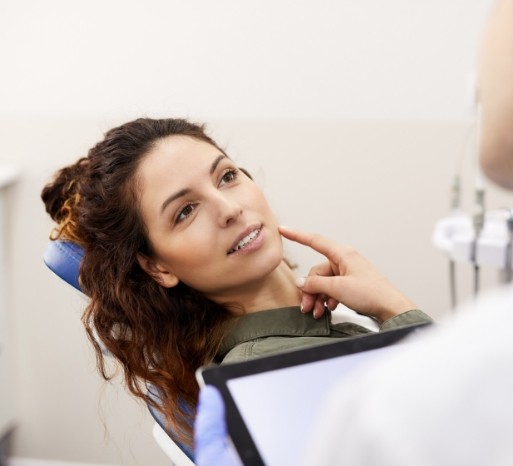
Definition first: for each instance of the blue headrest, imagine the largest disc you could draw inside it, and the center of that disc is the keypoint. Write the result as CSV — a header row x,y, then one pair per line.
x,y
64,258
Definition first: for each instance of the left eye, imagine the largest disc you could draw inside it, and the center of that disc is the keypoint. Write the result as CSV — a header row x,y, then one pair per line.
x,y
229,176
185,212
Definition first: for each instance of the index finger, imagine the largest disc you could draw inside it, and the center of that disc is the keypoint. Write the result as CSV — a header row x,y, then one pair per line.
x,y
318,243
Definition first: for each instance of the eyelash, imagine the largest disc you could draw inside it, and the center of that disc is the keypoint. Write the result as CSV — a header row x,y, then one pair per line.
x,y
232,172
179,218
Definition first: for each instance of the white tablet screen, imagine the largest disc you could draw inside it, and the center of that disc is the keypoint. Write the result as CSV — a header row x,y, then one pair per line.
x,y
279,406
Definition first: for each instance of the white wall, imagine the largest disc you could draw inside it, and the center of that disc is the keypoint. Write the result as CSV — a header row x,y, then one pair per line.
x,y
350,114
232,58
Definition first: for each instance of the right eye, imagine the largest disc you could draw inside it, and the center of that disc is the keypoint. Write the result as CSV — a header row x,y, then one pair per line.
x,y
185,212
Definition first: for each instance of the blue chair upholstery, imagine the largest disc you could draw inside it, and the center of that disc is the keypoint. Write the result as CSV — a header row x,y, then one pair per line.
x,y
64,258
160,420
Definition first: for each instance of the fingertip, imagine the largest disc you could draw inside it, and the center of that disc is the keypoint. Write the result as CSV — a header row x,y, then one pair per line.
x,y
285,231
304,308
307,302
332,304
300,282
317,314
318,308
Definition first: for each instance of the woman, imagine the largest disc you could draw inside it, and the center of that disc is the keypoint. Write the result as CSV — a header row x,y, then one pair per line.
x,y
181,253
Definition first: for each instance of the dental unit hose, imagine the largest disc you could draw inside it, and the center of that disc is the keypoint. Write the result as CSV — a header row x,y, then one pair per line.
x,y
455,207
508,271
478,223
478,217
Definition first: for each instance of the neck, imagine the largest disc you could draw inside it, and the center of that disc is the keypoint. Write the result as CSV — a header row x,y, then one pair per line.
x,y
274,291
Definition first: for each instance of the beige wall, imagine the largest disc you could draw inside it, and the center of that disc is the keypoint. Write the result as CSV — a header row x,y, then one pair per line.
x,y
226,58
379,186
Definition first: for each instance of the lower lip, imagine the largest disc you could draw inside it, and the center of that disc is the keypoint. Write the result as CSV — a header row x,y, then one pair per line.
x,y
253,246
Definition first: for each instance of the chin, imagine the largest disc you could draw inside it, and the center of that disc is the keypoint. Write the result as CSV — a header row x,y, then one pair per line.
x,y
272,261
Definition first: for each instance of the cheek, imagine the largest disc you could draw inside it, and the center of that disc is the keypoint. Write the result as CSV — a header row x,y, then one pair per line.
x,y
189,250
193,255
194,261
258,200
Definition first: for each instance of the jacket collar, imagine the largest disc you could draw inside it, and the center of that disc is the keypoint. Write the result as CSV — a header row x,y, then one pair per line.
x,y
283,322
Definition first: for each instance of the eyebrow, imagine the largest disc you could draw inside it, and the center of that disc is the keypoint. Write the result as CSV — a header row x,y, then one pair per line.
x,y
186,191
215,163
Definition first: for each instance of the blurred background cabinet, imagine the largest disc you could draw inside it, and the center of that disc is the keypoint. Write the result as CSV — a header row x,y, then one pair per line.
x,y
8,175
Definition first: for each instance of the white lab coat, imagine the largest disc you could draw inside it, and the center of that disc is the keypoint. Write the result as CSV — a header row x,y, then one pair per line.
x,y
447,399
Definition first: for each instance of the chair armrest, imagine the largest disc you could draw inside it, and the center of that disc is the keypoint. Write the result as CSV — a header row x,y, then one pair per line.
x,y
170,448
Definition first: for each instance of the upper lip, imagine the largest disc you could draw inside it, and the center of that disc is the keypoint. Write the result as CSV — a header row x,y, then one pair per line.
x,y
243,234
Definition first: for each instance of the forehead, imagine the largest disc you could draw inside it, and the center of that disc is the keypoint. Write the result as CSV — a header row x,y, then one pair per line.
x,y
174,163
180,149
175,157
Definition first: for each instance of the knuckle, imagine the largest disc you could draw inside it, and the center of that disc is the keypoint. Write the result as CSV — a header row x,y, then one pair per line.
x,y
314,282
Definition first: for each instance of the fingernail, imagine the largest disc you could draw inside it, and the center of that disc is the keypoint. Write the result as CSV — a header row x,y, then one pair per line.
x,y
301,308
315,314
300,282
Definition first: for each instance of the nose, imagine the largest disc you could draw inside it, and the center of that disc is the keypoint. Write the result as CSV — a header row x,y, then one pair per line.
x,y
228,210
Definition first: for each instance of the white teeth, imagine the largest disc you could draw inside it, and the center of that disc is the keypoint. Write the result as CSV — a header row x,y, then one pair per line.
x,y
245,241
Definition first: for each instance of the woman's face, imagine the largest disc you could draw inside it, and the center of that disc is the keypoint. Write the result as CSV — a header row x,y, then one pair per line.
x,y
209,225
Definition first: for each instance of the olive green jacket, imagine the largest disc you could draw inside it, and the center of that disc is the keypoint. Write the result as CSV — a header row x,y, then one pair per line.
x,y
277,330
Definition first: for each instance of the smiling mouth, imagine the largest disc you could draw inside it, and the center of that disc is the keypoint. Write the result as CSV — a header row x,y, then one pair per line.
x,y
245,241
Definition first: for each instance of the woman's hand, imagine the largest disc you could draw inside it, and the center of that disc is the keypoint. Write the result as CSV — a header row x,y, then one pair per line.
x,y
347,278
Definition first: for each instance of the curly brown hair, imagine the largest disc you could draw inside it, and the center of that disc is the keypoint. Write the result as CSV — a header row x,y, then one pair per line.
x,y
160,336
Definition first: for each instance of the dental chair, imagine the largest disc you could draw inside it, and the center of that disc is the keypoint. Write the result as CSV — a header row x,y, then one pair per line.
x,y
64,258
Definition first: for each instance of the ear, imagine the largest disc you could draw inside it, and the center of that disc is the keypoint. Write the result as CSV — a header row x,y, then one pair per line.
x,y
162,276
